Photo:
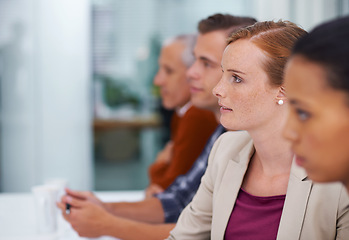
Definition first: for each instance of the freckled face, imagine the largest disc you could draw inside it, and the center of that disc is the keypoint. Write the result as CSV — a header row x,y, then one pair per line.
x,y
318,122
244,93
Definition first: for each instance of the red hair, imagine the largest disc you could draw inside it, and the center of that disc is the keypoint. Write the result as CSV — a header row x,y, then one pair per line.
x,y
276,39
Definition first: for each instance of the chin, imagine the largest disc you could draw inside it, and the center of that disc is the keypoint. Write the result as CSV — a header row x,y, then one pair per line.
x,y
168,106
200,105
195,101
320,178
227,123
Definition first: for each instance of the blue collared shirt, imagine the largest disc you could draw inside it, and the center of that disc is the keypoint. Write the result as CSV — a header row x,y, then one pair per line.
x,y
177,196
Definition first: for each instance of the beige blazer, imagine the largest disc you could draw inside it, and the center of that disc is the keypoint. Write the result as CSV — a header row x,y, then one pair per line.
x,y
311,211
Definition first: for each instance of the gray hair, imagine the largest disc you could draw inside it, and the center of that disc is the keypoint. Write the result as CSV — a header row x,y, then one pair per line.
x,y
188,41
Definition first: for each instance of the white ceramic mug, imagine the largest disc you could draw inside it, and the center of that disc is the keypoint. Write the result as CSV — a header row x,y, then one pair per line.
x,y
60,183
45,197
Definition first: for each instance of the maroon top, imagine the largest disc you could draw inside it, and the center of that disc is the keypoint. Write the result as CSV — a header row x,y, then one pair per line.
x,y
254,217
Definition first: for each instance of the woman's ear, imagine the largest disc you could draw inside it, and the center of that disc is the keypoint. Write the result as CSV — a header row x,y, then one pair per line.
x,y
281,97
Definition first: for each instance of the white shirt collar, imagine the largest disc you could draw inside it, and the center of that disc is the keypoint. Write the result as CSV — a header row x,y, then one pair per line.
x,y
182,110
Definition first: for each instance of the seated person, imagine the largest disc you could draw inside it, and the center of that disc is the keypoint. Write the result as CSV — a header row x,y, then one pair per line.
x,y
190,126
252,189
317,83
136,220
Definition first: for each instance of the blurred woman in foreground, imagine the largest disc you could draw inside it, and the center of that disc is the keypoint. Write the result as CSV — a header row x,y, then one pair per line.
x,y
317,83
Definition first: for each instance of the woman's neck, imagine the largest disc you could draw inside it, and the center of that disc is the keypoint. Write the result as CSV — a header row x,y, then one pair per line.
x,y
272,151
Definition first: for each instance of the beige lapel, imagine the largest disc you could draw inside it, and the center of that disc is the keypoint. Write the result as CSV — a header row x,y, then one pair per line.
x,y
229,189
296,202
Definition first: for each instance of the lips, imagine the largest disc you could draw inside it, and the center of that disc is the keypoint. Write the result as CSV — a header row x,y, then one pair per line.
x,y
224,108
195,89
228,109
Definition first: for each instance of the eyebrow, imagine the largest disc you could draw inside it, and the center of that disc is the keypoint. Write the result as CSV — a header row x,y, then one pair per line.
x,y
295,102
235,71
207,59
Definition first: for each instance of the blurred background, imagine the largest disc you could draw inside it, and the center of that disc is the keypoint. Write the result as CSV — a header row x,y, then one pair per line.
x,y
76,94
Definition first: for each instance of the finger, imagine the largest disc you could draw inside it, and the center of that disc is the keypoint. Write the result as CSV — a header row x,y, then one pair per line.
x,y
169,144
156,187
77,194
148,194
74,202
158,190
61,205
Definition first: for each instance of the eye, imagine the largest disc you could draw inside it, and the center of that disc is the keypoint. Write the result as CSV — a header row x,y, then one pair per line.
x,y
168,70
302,115
207,64
236,79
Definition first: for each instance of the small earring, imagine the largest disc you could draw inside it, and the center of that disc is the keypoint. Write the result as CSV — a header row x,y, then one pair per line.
x,y
280,102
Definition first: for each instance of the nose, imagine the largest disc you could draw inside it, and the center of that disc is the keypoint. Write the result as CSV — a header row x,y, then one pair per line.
x,y
158,79
192,72
290,131
218,90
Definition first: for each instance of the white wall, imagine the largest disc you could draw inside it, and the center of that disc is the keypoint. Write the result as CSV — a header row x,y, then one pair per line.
x,y
182,16
45,93
267,10
306,13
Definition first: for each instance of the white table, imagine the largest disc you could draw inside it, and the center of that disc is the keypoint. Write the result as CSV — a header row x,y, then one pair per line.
x,y
18,220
